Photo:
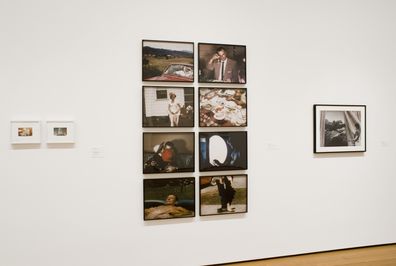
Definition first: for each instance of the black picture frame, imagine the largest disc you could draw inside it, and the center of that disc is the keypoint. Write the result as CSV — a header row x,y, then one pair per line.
x,y
156,105
339,128
222,107
223,151
223,194
168,152
209,63
167,61
168,198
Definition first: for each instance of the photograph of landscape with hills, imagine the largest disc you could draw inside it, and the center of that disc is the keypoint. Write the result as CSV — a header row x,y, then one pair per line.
x,y
168,61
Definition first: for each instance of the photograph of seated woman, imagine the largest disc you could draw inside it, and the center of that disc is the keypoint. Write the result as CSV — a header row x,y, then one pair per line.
x,y
168,210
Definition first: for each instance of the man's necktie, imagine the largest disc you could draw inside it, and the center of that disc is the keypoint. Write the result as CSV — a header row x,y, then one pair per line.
x,y
222,71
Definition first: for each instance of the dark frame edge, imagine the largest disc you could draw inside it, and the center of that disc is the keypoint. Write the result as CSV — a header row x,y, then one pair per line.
x,y
365,128
163,86
165,41
165,219
225,44
247,194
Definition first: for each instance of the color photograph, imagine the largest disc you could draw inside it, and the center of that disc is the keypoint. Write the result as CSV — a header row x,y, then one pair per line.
x,y
222,63
219,151
169,198
168,152
222,107
223,194
168,106
339,128
168,61
25,132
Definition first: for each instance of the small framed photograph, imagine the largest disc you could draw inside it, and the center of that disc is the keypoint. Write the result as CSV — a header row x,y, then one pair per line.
x,y
169,198
168,61
25,132
222,63
339,128
221,151
60,132
168,152
168,106
223,194
222,107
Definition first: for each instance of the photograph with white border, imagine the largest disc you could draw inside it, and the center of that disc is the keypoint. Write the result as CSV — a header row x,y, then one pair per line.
x,y
339,128
60,132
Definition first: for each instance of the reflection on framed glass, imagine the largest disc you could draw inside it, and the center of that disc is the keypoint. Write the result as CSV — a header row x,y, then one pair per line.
x,y
222,63
168,61
222,107
60,132
168,152
220,151
168,198
339,128
25,132
222,194
168,106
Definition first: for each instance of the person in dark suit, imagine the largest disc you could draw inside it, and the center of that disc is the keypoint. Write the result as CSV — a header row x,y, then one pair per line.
x,y
226,192
224,68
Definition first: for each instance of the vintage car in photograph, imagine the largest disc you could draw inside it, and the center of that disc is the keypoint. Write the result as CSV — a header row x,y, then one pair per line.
x,y
176,72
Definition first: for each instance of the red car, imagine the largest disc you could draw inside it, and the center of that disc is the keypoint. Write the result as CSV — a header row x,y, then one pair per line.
x,y
176,72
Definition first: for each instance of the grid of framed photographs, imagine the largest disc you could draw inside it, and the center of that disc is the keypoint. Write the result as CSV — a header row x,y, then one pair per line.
x,y
222,118
172,108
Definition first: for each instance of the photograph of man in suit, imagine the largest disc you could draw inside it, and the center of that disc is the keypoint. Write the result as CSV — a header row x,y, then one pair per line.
x,y
224,68
222,63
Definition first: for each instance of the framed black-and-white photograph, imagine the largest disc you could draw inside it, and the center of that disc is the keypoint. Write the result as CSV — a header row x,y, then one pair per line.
x,y
168,152
223,194
25,132
60,132
222,107
222,63
168,61
220,151
168,106
339,128
168,198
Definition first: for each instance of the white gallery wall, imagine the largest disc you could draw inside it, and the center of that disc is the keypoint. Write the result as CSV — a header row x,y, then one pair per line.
x,y
81,60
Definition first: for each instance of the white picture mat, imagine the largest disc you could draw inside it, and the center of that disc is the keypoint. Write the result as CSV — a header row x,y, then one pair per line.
x,y
70,129
320,108
33,139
